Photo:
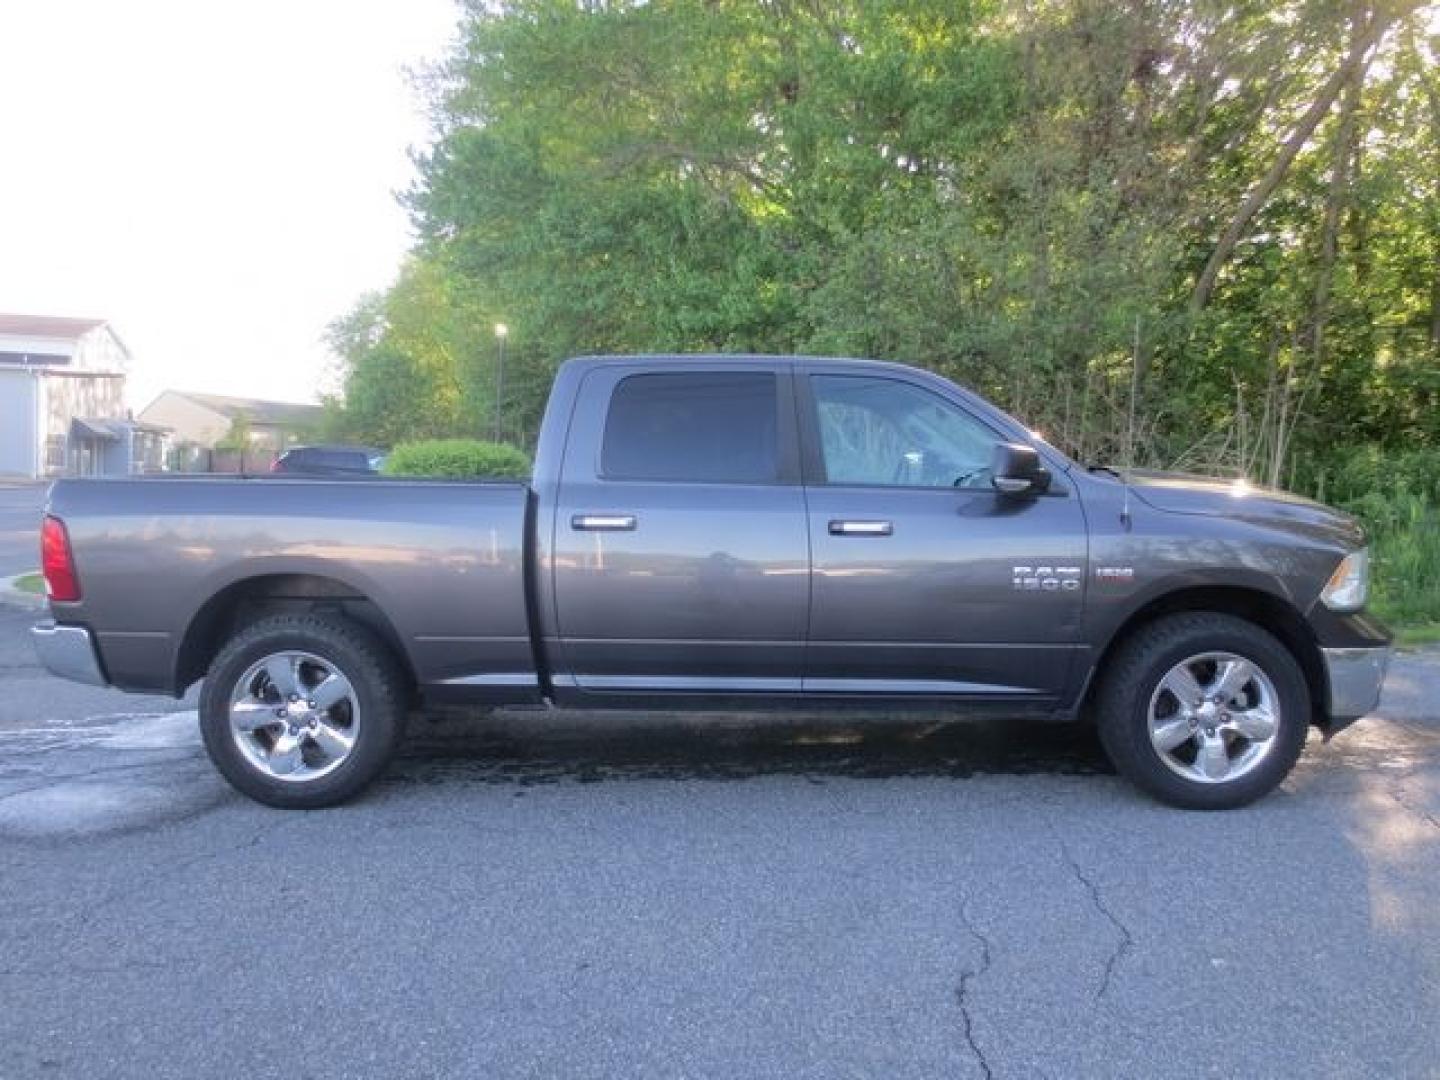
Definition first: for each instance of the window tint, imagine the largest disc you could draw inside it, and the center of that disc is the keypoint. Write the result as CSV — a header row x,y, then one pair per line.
x,y
892,433
711,426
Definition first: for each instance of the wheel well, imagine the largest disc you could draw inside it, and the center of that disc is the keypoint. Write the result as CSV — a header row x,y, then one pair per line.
x,y
1264,610
244,602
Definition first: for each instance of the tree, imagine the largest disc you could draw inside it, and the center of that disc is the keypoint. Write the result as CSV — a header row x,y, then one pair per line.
x,y
1229,210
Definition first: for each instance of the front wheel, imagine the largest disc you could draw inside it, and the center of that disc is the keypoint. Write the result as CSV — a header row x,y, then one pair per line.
x,y
1203,711
302,711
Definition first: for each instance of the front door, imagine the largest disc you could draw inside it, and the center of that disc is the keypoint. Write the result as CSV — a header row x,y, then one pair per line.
x,y
925,579
680,557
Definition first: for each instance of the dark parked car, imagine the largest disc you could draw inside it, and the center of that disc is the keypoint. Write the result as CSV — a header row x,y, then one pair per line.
x,y
729,531
329,460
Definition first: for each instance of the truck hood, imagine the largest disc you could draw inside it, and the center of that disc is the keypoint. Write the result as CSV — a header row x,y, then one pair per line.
x,y
1182,493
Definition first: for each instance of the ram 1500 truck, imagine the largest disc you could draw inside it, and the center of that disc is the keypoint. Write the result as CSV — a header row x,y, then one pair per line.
x,y
732,532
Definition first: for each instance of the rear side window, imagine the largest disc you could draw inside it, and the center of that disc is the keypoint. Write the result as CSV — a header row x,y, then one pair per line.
x,y
711,426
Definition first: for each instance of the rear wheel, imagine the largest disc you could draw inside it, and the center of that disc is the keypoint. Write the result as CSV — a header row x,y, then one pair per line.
x,y
1203,710
302,711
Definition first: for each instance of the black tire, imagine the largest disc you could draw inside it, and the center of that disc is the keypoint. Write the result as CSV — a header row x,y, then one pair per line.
x,y
1133,675
379,688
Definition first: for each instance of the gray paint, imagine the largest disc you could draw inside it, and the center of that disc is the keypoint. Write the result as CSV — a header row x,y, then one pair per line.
x,y
697,593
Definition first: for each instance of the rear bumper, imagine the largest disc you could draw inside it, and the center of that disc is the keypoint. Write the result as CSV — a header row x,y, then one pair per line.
x,y
68,651
1355,677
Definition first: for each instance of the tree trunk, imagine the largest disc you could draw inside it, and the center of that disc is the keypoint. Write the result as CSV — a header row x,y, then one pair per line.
x,y
1336,199
1357,61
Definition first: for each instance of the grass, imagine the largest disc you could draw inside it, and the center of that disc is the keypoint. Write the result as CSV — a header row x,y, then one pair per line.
x,y
31,583
1416,634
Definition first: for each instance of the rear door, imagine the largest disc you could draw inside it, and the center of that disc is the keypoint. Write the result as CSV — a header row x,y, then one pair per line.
x,y
926,580
680,555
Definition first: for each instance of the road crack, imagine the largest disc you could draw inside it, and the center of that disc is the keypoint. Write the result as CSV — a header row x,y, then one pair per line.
x,y
1126,941
1423,814
962,992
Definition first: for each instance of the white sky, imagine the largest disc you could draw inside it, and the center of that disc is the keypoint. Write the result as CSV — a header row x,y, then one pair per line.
x,y
217,180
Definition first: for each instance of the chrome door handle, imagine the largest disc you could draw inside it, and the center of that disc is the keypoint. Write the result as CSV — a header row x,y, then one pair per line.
x,y
603,522
861,528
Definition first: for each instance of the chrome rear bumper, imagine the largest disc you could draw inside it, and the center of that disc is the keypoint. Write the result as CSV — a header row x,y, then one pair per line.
x,y
1355,677
68,651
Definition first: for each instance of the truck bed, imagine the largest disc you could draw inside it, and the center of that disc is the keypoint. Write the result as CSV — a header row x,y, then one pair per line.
x,y
440,566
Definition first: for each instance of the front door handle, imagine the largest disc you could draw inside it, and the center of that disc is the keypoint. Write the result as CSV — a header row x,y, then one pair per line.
x,y
603,522
861,528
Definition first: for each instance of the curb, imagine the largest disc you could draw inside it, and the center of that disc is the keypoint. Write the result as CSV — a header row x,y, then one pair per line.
x,y
10,596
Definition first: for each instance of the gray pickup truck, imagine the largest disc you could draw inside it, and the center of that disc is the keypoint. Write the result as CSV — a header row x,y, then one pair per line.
x,y
728,532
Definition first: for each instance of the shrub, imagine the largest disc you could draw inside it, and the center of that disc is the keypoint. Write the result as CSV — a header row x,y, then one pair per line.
x,y
1396,493
458,458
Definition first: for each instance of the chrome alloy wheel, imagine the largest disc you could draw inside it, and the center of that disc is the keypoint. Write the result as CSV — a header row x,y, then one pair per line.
x,y
294,716
1213,717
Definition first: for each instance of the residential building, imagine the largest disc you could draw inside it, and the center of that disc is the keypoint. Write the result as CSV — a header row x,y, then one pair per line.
x,y
62,401
200,421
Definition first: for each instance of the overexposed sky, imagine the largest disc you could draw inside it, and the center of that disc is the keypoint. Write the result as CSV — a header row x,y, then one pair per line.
x,y
217,180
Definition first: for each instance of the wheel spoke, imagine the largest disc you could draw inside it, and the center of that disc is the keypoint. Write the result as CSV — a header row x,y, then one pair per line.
x,y
284,673
1257,724
335,689
1213,760
285,755
1231,677
250,715
1168,734
334,741
1183,685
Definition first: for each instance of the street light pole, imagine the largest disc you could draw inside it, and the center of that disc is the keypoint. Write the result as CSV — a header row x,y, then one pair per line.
x,y
501,333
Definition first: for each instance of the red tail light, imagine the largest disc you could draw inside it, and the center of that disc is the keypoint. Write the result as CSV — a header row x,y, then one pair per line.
x,y
56,562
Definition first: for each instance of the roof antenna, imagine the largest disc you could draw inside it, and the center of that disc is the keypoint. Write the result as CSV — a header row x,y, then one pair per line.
x,y
1130,428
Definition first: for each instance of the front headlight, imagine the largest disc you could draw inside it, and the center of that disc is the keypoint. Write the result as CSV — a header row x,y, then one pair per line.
x,y
1349,585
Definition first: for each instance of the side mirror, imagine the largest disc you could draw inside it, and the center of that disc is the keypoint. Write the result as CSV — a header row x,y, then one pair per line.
x,y
1016,470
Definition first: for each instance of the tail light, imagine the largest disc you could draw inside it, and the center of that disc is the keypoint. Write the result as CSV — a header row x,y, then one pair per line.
x,y
56,561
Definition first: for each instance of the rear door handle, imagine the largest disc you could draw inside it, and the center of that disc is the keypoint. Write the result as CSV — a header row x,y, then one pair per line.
x,y
861,528
603,522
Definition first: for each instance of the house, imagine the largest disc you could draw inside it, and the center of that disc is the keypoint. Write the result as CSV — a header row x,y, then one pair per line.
x,y
200,421
62,401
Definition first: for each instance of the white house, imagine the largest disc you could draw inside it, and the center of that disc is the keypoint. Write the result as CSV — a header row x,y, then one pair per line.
x,y
62,407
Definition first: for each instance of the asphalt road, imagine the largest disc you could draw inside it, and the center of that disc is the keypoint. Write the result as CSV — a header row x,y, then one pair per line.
x,y
538,896
20,506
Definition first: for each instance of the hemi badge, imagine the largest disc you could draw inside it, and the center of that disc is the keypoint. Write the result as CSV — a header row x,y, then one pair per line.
x,y
1115,573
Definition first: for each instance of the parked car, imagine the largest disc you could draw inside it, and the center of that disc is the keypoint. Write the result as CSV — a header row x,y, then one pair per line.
x,y
329,460
729,531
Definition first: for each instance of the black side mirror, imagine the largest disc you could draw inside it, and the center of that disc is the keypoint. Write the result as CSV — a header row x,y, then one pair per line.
x,y
1015,469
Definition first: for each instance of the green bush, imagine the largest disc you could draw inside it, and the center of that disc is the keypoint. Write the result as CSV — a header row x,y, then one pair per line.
x,y
458,458
1397,496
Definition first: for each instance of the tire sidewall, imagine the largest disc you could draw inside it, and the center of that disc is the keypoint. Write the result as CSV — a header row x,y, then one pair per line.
x,y
1125,717
352,652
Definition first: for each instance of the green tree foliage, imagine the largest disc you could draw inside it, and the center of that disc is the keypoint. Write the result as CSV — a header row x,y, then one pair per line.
x,y
1231,207
237,436
457,458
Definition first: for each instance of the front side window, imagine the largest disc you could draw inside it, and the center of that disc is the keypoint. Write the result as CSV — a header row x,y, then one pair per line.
x,y
886,432
706,426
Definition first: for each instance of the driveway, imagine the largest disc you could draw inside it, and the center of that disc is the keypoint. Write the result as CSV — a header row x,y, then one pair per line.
x,y
534,895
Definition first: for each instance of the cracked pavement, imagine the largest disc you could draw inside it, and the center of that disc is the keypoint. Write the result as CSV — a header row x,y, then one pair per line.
x,y
560,895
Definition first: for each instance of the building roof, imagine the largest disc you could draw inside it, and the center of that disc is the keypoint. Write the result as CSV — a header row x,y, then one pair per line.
x,y
256,410
47,326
